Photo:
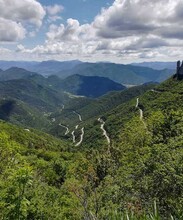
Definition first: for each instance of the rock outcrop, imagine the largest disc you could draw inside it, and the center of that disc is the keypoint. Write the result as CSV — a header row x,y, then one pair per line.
x,y
179,73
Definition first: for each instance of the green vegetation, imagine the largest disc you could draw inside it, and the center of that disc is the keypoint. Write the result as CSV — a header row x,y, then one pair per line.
x,y
139,176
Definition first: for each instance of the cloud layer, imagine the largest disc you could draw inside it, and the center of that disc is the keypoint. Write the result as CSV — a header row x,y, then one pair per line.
x,y
127,30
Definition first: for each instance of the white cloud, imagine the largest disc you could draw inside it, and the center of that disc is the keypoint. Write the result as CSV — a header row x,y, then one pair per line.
x,y
10,30
15,15
70,32
53,12
54,9
54,18
138,17
127,30
73,31
29,11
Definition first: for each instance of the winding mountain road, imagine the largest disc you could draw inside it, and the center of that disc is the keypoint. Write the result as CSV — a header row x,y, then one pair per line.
x,y
79,116
141,113
154,90
73,137
137,104
67,129
81,137
104,131
76,127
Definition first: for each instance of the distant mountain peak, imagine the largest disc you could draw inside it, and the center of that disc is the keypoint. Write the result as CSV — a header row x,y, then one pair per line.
x,y
15,68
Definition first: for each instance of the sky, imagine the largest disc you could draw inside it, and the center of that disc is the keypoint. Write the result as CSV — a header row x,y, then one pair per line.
x,y
120,31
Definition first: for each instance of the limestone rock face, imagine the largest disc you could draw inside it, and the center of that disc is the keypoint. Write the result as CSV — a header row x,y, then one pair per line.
x,y
179,73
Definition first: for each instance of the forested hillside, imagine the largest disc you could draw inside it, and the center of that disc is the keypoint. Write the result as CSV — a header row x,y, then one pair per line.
x,y
128,165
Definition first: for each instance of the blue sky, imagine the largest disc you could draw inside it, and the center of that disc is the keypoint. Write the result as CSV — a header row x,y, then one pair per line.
x,y
120,31
84,11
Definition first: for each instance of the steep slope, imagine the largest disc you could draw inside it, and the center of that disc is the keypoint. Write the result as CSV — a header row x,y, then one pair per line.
x,y
164,98
136,148
33,170
145,148
31,93
20,113
125,74
24,102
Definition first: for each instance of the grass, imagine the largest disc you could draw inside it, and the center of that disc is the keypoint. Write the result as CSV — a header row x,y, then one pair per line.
x,y
130,215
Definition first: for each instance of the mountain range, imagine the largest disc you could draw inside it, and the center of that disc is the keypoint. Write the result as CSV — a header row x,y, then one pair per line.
x,y
45,67
124,74
157,65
